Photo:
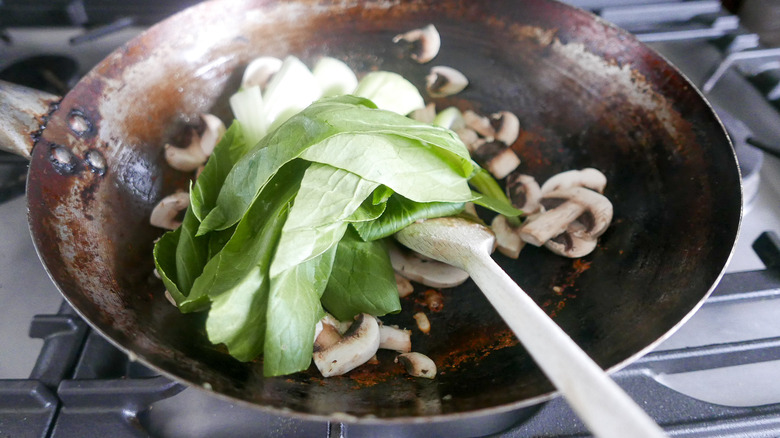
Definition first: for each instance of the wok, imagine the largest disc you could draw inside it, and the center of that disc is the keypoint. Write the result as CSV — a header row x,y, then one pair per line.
x,y
587,95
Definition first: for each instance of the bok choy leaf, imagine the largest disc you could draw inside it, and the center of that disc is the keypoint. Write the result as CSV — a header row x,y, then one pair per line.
x,y
280,231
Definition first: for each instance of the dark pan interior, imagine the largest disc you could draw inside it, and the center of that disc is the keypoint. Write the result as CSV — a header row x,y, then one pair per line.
x,y
587,95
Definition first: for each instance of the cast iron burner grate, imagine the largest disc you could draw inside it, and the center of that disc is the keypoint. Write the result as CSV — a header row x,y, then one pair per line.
x,y
83,386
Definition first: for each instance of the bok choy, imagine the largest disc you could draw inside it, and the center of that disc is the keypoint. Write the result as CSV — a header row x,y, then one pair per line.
x,y
282,229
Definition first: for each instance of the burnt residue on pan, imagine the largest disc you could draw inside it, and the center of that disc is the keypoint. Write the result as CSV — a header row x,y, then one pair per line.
x,y
587,95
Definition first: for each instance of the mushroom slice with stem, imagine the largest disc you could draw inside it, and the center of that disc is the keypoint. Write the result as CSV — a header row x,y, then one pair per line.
x,y
213,133
588,177
426,42
326,335
499,159
508,241
165,213
564,207
423,270
186,159
443,81
573,242
598,212
524,192
341,326
200,148
480,124
507,127
394,338
356,347
417,364
328,331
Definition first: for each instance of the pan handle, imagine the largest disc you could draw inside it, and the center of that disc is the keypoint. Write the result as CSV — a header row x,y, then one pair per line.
x,y
22,113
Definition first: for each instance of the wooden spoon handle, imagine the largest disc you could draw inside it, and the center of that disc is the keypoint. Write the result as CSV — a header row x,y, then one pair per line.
x,y
602,405
22,111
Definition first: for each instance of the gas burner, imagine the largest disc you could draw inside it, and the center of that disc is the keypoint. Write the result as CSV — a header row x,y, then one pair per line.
x,y
13,174
749,157
56,74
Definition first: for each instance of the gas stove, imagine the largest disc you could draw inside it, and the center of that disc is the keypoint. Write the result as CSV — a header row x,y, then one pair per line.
x,y
715,376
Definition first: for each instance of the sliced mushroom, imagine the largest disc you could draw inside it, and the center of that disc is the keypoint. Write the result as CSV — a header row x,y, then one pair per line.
x,y
341,326
165,213
469,137
426,42
443,81
356,347
524,192
499,159
550,223
186,159
405,287
508,241
573,242
589,178
480,124
564,207
213,133
201,146
259,71
423,270
506,126
326,335
426,114
417,365
598,210
423,323
394,338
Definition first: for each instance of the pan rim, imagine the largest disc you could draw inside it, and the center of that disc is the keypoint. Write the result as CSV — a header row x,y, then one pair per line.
x,y
499,409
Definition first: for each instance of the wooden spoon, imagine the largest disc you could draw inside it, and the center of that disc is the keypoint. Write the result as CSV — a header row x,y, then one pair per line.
x,y
602,405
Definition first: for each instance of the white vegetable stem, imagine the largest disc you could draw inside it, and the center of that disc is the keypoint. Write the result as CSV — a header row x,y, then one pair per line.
x,y
290,90
334,77
247,107
390,91
597,399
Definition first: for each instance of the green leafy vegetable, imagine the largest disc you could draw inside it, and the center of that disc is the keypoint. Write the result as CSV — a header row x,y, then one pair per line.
x,y
282,230
293,310
327,198
165,263
362,280
401,212
347,117
255,238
